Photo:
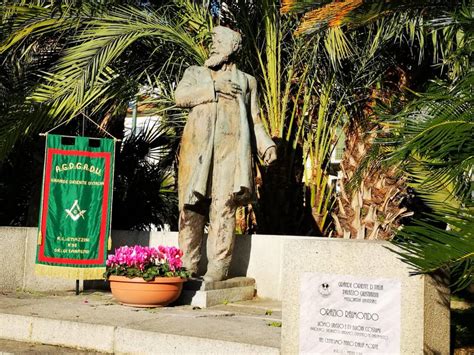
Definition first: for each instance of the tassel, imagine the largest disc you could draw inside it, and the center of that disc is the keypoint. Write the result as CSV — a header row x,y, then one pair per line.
x,y
40,239
66,272
109,243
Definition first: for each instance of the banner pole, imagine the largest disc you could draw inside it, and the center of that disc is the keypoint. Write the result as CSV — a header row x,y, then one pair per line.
x,y
77,287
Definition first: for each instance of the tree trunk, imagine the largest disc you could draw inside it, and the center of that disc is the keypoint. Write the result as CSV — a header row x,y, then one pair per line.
x,y
373,209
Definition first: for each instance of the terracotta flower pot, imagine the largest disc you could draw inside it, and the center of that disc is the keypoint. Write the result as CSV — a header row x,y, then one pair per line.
x,y
137,292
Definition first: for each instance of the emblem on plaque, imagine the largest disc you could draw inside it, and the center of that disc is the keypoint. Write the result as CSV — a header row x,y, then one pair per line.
x,y
324,289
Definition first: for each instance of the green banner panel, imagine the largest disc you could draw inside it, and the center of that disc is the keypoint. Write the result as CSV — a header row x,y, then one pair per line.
x,y
76,203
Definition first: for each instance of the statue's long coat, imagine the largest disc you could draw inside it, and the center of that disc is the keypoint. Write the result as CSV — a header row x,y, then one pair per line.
x,y
217,138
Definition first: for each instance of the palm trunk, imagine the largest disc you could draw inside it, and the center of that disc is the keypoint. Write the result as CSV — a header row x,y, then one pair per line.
x,y
374,209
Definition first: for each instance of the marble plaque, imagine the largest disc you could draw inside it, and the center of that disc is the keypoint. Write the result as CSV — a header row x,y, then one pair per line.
x,y
342,314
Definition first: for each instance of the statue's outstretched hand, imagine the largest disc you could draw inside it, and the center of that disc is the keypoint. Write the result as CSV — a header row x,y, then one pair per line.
x,y
270,156
227,88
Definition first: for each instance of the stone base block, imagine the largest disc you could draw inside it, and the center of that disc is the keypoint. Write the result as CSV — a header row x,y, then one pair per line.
x,y
206,294
422,326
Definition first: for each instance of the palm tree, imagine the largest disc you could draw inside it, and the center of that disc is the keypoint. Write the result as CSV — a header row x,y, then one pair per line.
x,y
303,104
144,193
101,56
91,57
428,139
106,54
432,138
370,204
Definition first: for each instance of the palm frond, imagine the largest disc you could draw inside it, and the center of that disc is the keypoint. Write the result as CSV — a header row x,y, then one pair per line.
x,y
330,15
435,134
415,23
105,39
322,14
428,246
103,59
145,195
433,140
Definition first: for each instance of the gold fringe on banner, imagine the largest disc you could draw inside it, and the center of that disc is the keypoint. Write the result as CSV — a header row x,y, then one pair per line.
x,y
40,238
109,243
74,273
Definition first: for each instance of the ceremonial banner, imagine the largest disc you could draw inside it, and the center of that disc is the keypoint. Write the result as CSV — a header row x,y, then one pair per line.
x,y
76,204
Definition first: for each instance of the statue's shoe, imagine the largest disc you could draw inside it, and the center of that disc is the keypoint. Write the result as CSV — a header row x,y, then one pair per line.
x,y
214,275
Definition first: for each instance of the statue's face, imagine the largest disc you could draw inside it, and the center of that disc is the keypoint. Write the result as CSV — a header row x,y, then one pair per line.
x,y
222,44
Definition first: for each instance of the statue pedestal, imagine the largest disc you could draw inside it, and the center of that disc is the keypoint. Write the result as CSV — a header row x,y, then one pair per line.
x,y
203,294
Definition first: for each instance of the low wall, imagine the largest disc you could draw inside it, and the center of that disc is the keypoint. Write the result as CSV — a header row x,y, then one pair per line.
x,y
17,260
256,256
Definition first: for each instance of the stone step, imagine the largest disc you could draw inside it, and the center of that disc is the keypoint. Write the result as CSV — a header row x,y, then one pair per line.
x,y
96,322
203,294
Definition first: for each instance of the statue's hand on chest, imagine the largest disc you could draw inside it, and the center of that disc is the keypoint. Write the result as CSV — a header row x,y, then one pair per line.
x,y
225,86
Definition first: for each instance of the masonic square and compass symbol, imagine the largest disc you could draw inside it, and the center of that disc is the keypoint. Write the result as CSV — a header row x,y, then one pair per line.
x,y
75,211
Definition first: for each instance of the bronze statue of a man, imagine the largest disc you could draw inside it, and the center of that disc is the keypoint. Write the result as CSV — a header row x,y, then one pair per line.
x,y
215,161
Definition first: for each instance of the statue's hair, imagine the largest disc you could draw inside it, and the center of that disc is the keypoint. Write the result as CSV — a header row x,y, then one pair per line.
x,y
236,36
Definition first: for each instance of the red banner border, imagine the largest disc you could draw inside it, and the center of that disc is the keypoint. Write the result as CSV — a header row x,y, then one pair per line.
x,y
103,221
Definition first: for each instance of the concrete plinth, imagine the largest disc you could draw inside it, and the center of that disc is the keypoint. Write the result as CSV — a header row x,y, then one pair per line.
x,y
203,294
424,300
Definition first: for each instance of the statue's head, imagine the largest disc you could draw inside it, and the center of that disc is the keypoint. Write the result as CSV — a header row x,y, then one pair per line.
x,y
225,43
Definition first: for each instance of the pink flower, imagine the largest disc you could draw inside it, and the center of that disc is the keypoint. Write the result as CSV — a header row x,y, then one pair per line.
x,y
142,257
173,256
